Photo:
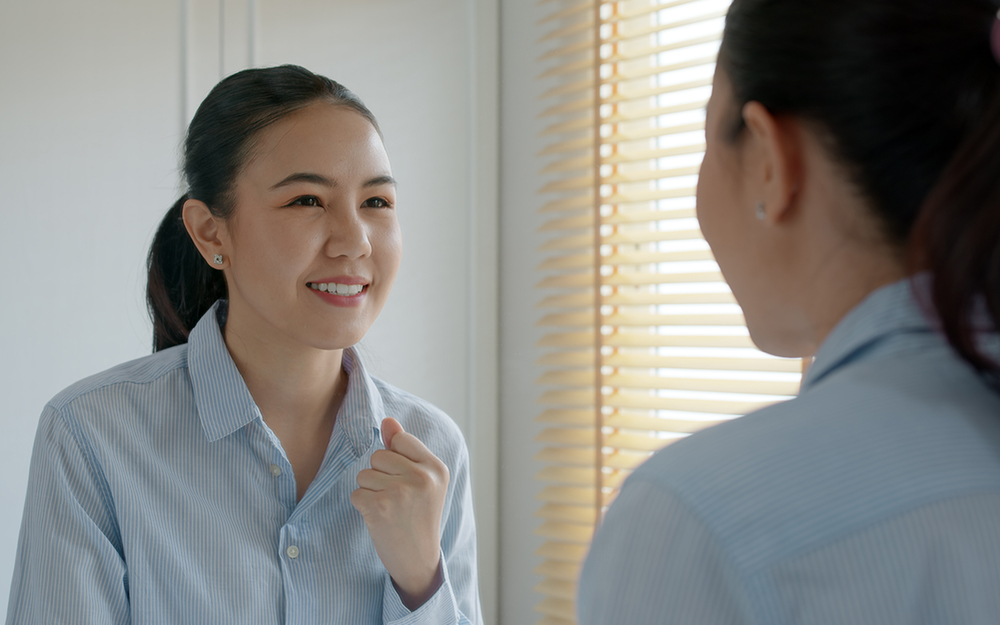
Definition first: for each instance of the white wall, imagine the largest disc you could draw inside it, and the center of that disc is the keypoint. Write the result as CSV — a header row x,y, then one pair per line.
x,y
94,97
88,139
519,256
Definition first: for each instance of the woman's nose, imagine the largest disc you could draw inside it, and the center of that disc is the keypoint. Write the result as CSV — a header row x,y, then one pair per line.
x,y
347,234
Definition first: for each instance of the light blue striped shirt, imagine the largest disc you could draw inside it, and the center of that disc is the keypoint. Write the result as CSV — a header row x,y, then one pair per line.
x,y
157,494
872,498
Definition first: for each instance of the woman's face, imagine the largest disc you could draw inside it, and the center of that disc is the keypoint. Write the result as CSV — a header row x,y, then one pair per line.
x,y
313,243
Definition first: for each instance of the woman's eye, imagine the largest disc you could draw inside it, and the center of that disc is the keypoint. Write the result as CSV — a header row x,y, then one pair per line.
x,y
376,202
305,200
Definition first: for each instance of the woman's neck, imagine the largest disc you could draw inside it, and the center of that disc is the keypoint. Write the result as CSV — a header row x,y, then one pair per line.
x,y
838,285
295,386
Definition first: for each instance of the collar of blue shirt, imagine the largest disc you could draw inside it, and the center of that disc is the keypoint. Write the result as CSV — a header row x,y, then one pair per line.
x,y
889,310
224,402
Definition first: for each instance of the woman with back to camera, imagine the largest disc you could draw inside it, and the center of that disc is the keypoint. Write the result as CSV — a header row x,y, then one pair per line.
x,y
851,194
251,471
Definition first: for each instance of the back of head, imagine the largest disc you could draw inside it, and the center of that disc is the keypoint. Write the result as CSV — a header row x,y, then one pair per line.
x,y
907,96
181,286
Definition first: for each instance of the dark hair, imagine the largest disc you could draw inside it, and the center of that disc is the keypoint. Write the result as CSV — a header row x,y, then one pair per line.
x,y
907,95
220,138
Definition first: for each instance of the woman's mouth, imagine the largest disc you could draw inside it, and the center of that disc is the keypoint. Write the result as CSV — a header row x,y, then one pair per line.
x,y
334,288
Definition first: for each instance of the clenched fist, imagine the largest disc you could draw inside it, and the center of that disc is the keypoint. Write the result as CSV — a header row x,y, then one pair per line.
x,y
401,498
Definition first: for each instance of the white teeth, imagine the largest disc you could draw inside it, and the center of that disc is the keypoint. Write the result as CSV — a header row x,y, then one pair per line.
x,y
338,289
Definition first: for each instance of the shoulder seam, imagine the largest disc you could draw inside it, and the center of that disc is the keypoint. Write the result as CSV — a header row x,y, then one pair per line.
x,y
115,381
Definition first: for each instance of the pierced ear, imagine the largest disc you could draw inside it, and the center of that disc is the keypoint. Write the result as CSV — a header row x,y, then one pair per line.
x,y
207,231
776,151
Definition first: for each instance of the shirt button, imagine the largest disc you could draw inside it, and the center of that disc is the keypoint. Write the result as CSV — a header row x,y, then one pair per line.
x,y
275,470
293,552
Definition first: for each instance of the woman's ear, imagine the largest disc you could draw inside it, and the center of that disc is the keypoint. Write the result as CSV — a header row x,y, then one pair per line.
x,y
774,154
208,233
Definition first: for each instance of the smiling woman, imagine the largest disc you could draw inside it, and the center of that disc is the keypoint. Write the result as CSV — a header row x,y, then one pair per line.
x,y
237,475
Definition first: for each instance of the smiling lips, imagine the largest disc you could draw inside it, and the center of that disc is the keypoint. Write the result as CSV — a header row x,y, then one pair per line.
x,y
339,293
335,288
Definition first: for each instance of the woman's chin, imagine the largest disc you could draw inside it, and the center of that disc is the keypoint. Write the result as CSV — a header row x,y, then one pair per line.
x,y
335,342
780,341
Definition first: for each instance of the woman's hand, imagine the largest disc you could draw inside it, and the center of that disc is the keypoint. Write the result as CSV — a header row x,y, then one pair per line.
x,y
401,498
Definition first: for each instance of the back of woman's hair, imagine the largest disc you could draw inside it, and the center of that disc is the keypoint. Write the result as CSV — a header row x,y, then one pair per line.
x,y
907,96
220,139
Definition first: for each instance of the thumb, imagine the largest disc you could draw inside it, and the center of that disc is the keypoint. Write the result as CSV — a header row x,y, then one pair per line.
x,y
390,428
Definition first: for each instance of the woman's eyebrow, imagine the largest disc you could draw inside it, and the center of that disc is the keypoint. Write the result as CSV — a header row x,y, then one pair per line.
x,y
378,181
319,179
305,177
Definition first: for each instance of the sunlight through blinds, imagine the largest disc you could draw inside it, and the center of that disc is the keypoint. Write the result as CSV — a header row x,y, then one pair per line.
x,y
645,342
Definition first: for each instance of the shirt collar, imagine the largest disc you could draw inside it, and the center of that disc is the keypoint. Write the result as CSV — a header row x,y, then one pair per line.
x,y
891,309
224,402
362,411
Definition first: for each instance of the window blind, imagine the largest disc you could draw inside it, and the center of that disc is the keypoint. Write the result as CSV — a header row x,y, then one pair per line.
x,y
645,343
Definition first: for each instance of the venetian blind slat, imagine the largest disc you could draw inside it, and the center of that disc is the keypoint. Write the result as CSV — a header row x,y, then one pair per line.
x,y
566,532
574,476
562,552
551,620
585,378
560,589
559,609
576,261
642,320
643,339
558,570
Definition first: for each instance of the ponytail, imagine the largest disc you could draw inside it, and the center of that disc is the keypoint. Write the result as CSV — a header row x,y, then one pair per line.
x,y
957,239
181,285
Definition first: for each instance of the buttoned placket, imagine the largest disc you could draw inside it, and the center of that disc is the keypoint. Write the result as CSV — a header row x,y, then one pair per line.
x,y
351,443
292,544
275,475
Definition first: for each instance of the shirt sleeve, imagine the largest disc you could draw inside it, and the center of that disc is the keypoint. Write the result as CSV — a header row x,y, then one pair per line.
x,y
69,564
654,562
456,601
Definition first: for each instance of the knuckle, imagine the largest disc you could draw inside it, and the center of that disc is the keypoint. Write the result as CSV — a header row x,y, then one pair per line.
x,y
438,471
383,507
423,479
439,465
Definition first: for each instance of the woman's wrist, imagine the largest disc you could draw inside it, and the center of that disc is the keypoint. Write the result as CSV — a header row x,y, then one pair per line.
x,y
415,595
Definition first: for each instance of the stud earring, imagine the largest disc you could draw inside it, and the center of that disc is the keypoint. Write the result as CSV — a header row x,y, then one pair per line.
x,y
218,259
759,211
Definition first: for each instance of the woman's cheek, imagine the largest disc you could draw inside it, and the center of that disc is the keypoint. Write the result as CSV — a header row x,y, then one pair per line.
x,y
707,201
391,241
